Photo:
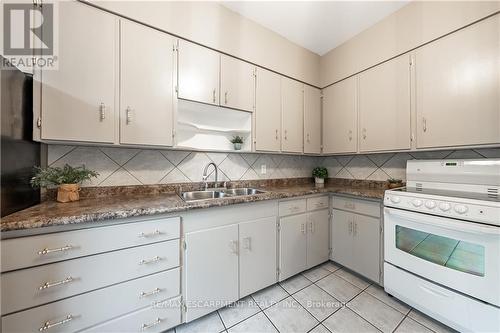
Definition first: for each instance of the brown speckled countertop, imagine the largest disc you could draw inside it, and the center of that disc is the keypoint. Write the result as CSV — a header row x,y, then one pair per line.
x,y
95,208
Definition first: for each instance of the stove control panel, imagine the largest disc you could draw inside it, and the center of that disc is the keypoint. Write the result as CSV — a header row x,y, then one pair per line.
x,y
464,209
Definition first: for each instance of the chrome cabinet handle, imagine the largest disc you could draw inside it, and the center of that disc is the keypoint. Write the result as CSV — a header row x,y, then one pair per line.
x,y
102,111
225,97
311,227
233,245
150,293
154,323
303,228
350,135
48,285
150,261
276,134
213,95
48,324
150,234
247,243
128,115
424,124
60,249
364,133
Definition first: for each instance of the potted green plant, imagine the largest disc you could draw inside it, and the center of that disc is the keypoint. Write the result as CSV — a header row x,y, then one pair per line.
x,y
319,174
237,141
394,183
67,179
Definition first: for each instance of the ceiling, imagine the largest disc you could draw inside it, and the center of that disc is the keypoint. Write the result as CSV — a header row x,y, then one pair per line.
x,y
316,25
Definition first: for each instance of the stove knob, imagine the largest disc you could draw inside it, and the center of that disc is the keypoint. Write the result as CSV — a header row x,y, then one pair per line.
x,y
417,202
430,204
444,206
461,209
395,200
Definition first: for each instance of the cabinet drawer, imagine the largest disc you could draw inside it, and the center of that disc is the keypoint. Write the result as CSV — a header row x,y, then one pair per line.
x,y
156,318
98,306
38,285
317,203
366,207
43,249
292,207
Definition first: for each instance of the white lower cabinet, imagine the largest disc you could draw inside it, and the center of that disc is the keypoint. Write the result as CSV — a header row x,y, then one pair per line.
x,y
293,245
356,237
318,239
211,269
257,240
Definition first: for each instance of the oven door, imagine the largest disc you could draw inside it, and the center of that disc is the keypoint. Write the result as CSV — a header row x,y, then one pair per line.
x,y
460,255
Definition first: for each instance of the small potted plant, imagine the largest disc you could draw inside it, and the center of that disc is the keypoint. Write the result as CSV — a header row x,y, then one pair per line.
x,y
67,179
319,174
237,141
394,183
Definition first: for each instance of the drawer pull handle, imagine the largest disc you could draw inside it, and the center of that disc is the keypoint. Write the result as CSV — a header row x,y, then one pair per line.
x,y
60,249
48,285
150,234
150,261
154,323
150,293
48,324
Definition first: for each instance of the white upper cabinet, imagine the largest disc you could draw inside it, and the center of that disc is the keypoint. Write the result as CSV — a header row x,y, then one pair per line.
x,y
384,106
292,105
237,84
79,98
146,85
339,117
312,120
268,111
198,72
458,88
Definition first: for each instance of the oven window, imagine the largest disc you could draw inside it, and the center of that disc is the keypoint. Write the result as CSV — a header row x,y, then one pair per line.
x,y
455,254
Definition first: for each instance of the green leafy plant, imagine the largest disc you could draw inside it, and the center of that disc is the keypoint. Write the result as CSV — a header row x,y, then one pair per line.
x,y
237,139
320,172
394,180
57,176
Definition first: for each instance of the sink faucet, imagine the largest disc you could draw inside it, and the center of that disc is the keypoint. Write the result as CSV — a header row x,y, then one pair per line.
x,y
205,175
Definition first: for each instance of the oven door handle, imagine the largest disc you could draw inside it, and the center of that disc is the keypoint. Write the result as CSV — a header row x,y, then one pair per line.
x,y
444,222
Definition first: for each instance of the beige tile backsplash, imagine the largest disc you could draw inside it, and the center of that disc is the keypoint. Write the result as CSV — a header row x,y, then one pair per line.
x,y
128,166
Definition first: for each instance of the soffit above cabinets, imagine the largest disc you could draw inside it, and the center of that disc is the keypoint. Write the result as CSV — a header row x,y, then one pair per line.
x,y
316,25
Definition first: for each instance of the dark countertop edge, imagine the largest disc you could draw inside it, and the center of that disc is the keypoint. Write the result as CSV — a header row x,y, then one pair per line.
x,y
88,219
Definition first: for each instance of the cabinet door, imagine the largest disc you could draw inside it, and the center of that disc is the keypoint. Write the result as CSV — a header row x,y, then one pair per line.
x,y
293,245
78,99
342,229
339,117
268,111
384,106
318,241
292,104
458,87
146,85
257,255
366,246
312,120
198,72
237,84
211,269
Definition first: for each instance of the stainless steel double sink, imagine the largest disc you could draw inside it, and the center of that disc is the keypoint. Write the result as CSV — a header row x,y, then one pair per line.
x,y
216,194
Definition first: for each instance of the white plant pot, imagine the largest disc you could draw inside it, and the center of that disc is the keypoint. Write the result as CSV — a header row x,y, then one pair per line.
x,y
319,180
237,146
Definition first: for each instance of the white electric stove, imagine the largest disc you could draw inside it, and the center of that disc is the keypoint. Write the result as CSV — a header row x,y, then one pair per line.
x,y
442,242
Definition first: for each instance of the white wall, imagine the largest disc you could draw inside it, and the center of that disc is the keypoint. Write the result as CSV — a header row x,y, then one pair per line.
x,y
411,26
215,26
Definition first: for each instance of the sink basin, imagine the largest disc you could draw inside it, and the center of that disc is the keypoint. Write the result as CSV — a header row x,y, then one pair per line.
x,y
202,195
242,191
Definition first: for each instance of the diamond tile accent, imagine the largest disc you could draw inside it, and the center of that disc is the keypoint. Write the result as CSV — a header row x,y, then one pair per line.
x,y
120,155
192,166
174,156
120,177
270,166
396,166
380,159
174,176
234,166
55,152
344,174
332,165
360,167
378,175
149,166
217,158
464,154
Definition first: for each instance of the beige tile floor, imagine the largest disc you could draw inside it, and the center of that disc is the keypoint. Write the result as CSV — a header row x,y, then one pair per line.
x,y
325,299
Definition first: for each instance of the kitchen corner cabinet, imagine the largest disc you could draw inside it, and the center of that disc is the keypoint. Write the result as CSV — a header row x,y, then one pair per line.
x,y
292,106
146,85
268,111
312,120
384,106
293,245
237,84
317,237
458,87
340,117
355,236
198,73
78,100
